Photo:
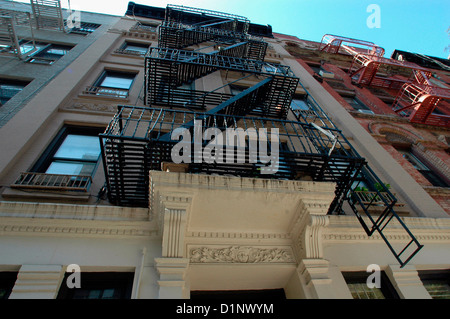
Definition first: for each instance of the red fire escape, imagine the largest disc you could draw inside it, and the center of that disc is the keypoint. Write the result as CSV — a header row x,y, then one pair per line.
x,y
421,101
417,98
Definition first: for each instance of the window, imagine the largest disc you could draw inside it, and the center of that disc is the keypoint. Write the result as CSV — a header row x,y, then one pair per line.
x,y
429,174
9,88
235,90
75,151
270,294
302,108
315,67
116,80
133,48
436,283
299,104
7,281
84,28
99,286
272,68
357,105
113,83
49,54
357,283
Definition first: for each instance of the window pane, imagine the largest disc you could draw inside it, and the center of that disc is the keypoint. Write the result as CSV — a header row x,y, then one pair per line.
x,y
298,104
117,82
108,294
79,147
9,88
68,168
137,47
438,290
361,291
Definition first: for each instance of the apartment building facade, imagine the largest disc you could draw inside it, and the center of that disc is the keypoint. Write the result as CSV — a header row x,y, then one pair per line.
x,y
90,185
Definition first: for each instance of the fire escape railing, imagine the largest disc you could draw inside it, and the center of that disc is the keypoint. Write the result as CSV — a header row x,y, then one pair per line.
x,y
381,197
167,70
138,140
141,139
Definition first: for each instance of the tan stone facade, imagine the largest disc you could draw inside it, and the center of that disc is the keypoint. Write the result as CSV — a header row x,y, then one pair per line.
x,y
205,232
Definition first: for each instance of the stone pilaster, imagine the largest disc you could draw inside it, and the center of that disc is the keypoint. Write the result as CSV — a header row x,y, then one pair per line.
x,y
173,283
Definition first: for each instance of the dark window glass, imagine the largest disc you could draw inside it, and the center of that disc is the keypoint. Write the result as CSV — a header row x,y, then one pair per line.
x,y
429,174
49,54
138,48
437,283
9,88
357,104
99,286
7,281
272,294
84,28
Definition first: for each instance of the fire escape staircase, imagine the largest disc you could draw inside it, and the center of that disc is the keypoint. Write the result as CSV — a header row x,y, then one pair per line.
x,y
417,97
139,139
419,100
15,30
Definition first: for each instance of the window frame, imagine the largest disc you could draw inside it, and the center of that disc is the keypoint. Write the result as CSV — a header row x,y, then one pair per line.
x,y
48,157
12,82
360,277
107,72
421,166
124,46
304,100
39,57
434,276
357,104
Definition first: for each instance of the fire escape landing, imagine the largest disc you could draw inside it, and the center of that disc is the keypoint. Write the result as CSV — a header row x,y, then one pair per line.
x,y
140,139
417,98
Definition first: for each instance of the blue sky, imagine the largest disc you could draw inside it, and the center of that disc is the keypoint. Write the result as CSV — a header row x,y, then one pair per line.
x,y
420,26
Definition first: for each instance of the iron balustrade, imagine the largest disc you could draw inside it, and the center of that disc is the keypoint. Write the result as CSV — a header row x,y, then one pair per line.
x,y
136,142
167,70
104,91
177,13
54,182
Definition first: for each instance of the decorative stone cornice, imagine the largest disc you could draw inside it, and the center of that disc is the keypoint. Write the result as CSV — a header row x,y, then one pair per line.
x,y
75,228
426,230
70,211
198,181
240,255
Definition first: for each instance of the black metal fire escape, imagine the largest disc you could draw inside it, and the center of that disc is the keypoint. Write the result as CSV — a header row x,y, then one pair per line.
x,y
139,139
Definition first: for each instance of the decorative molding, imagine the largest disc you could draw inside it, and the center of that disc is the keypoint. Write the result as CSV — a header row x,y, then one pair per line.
x,y
230,235
426,230
91,107
197,181
240,255
172,212
313,236
75,228
70,211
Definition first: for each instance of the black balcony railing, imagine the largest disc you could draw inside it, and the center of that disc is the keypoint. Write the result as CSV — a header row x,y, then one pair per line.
x,y
168,69
379,195
141,139
138,140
